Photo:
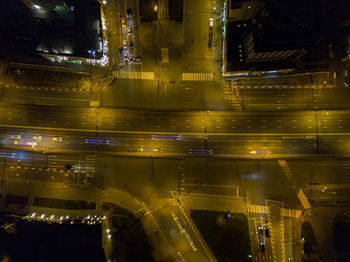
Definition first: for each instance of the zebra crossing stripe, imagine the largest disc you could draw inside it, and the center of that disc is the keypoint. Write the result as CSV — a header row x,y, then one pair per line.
x,y
197,76
296,213
133,75
256,209
164,55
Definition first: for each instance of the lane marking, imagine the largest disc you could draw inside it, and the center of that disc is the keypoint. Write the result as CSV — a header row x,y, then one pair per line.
x,y
171,132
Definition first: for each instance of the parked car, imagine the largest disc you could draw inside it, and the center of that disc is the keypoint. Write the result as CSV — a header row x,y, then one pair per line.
x,y
211,22
123,22
128,13
125,45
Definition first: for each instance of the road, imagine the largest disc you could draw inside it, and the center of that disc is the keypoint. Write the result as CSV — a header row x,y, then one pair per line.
x,y
176,135
221,134
202,135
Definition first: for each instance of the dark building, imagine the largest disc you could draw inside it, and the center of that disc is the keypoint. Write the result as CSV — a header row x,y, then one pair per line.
x,y
61,27
269,34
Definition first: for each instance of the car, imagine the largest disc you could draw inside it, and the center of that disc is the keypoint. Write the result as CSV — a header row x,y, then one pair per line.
x,y
209,43
126,57
131,44
267,231
129,31
166,137
97,141
69,167
211,22
121,51
25,143
138,58
123,22
6,154
210,39
262,247
200,151
128,13
125,45
150,149
132,59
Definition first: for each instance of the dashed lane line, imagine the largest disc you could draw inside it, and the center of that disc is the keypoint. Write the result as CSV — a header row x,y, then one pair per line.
x,y
170,133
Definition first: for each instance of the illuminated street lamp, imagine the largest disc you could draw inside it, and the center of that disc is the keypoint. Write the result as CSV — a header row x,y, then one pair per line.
x,y
37,7
155,8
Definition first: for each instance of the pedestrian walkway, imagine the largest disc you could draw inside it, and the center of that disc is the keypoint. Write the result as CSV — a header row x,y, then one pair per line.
x,y
197,76
133,75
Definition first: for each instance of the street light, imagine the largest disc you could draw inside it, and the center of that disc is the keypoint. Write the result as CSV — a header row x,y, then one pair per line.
x,y
155,8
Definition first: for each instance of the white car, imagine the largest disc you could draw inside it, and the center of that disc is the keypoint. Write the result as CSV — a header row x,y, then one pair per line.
x,y
211,22
125,44
129,31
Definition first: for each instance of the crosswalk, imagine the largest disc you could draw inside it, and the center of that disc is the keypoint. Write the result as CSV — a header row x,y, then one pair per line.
x,y
256,209
164,55
197,76
232,94
294,213
133,75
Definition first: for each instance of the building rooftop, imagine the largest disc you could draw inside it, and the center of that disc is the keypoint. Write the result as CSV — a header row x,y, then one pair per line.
x,y
66,27
270,33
